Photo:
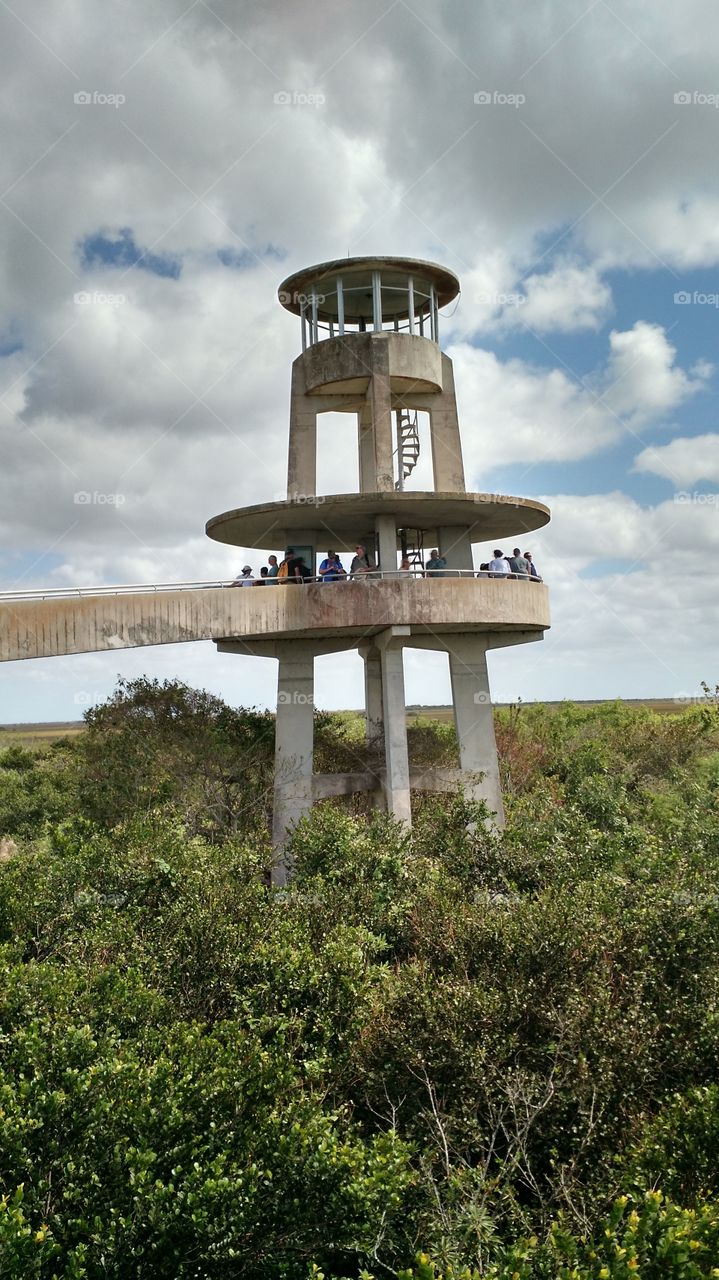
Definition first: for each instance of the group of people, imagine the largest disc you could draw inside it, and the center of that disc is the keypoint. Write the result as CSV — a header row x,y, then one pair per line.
x,y
519,562
294,568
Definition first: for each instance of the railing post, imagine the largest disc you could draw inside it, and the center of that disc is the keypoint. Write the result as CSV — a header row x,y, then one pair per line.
x,y
377,300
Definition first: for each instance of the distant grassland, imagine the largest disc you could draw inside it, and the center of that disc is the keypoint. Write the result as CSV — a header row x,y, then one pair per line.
x,y
34,735
665,706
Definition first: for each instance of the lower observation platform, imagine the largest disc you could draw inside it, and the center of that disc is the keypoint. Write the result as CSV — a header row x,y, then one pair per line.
x,y
341,519
348,611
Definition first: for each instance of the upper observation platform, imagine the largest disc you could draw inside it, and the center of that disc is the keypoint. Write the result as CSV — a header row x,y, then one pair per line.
x,y
360,295
341,519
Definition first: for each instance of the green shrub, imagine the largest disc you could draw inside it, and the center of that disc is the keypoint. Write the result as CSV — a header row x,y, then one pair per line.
x,y
455,1040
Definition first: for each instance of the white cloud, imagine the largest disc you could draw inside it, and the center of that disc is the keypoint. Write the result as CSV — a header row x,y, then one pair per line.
x,y
680,233
630,615
512,411
642,380
684,460
497,294
568,298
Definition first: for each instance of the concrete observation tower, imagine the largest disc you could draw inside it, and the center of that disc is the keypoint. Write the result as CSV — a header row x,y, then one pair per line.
x,y
370,350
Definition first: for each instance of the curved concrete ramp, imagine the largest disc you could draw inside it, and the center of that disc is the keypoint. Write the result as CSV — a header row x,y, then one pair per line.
x,y
46,628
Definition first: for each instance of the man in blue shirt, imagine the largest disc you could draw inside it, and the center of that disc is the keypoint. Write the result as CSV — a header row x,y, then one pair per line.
x,y
331,568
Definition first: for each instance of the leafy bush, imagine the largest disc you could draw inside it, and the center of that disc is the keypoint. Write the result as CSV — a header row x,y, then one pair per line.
x,y
679,1148
455,1041
654,1238
163,744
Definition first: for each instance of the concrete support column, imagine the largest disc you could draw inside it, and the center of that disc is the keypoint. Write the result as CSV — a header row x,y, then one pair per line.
x,y
397,792
367,476
302,451
386,531
373,694
293,743
473,719
444,431
379,400
455,546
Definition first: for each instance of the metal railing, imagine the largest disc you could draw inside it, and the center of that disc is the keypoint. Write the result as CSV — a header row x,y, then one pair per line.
x,y
144,588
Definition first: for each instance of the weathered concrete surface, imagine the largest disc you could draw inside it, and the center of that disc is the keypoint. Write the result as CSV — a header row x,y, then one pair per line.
x,y
473,719
336,519
346,364
48,628
294,727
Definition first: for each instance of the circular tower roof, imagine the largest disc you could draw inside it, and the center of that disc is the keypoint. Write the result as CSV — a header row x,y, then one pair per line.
x,y
357,276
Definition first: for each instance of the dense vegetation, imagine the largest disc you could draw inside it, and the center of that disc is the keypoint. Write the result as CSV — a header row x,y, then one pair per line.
x,y
451,1054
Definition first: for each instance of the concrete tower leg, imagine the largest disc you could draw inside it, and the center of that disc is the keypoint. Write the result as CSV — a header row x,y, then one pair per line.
x,y
367,478
302,452
456,547
379,401
373,694
397,792
293,744
444,431
474,721
386,531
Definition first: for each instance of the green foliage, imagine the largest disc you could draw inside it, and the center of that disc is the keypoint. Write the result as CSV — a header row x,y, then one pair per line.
x,y
36,788
653,1238
457,1043
180,1142
165,745
679,1148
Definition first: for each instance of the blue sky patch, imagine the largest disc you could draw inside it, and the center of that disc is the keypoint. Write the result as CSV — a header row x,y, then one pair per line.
x,y
122,250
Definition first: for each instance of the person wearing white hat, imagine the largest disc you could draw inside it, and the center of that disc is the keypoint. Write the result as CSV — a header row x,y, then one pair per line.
x,y
244,579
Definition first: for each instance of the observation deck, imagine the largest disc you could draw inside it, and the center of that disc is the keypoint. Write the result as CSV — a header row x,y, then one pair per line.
x,y
52,623
354,295
340,520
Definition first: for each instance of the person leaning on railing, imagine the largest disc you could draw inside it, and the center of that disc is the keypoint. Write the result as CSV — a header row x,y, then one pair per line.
x,y
297,569
518,563
361,562
534,576
498,566
331,568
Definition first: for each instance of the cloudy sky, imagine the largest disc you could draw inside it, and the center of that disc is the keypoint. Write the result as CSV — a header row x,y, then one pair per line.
x,y
171,163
